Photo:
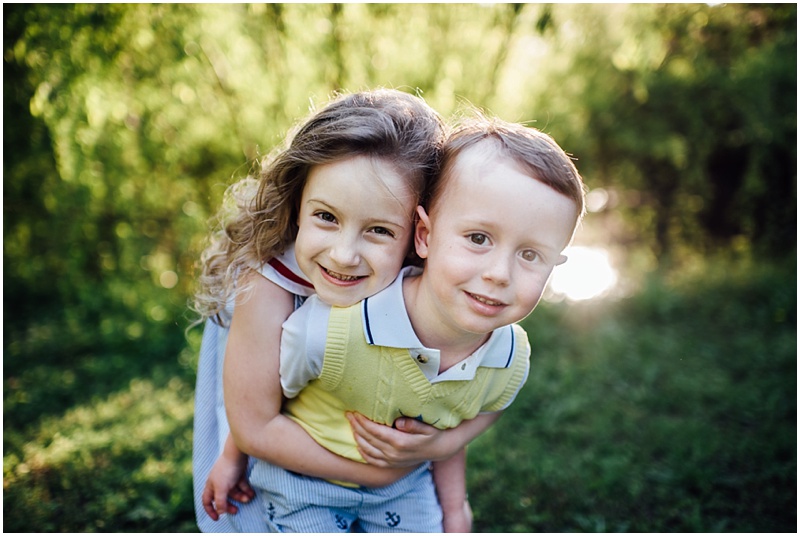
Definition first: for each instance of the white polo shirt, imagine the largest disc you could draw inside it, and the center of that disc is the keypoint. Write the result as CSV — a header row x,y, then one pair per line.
x,y
284,271
386,323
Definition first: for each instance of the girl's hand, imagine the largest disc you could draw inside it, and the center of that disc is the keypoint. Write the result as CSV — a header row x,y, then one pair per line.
x,y
411,442
227,480
408,443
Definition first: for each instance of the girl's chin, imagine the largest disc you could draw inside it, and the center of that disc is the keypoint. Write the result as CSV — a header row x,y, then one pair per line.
x,y
340,296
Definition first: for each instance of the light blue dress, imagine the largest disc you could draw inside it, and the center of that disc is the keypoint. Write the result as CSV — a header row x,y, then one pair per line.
x,y
210,421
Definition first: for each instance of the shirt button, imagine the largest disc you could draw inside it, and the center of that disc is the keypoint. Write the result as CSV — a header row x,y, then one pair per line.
x,y
422,359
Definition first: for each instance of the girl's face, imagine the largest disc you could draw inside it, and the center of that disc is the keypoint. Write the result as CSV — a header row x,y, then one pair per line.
x,y
355,227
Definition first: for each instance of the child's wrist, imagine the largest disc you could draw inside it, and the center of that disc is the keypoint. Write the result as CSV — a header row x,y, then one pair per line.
x,y
233,455
453,505
448,444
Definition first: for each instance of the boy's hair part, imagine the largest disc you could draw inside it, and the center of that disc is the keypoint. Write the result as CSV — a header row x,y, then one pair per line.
x,y
259,218
534,151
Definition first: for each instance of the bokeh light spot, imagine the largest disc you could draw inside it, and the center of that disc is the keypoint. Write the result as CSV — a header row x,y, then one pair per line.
x,y
587,274
168,279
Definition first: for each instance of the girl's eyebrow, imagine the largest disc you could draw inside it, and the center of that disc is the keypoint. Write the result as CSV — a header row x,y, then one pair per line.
x,y
320,202
385,221
380,220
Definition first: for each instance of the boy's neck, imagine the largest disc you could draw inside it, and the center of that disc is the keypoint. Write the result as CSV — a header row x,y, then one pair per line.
x,y
435,333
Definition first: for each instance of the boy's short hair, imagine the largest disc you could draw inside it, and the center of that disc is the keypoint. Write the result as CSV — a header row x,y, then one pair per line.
x,y
533,150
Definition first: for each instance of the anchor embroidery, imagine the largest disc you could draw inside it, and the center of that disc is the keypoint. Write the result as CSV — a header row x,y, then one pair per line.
x,y
341,523
392,519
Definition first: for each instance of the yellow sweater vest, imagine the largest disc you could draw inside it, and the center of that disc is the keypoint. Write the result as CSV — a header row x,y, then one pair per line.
x,y
386,383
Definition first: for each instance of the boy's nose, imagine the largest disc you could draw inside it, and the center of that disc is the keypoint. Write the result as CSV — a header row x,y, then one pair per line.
x,y
498,271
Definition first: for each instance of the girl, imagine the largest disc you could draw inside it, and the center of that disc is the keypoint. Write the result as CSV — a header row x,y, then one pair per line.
x,y
345,190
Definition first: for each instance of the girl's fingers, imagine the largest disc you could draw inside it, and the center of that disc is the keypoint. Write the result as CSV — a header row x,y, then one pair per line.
x,y
208,503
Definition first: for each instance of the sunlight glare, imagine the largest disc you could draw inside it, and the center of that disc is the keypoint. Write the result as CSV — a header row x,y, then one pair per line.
x,y
587,274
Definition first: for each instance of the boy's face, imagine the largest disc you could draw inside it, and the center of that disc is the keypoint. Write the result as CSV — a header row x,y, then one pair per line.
x,y
491,242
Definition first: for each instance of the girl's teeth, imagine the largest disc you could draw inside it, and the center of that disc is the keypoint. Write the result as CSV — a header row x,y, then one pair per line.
x,y
342,277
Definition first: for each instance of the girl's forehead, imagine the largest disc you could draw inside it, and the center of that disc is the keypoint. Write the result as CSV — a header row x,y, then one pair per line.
x,y
359,179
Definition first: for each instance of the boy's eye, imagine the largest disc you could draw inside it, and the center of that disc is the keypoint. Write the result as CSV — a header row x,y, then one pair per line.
x,y
326,216
531,255
478,239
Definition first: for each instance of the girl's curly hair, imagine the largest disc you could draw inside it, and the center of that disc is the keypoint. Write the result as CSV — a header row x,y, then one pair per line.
x,y
259,215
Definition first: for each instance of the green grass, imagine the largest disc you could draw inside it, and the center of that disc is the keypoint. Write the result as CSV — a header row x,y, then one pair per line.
x,y
671,411
674,411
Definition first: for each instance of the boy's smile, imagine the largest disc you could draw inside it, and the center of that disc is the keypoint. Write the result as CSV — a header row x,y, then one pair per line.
x,y
490,244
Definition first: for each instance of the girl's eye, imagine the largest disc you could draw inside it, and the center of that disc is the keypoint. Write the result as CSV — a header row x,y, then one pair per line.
x,y
478,239
531,255
383,231
326,216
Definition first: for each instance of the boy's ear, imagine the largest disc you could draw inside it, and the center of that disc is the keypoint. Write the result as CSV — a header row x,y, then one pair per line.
x,y
421,233
561,260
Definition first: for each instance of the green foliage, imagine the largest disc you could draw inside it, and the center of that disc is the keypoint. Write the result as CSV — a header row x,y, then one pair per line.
x,y
130,120
125,123
690,112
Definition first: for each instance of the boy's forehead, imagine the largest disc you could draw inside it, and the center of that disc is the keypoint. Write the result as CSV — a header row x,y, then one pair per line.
x,y
475,168
480,159
471,164
484,150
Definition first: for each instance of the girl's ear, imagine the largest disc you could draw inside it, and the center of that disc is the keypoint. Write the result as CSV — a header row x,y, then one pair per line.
x,y
421,233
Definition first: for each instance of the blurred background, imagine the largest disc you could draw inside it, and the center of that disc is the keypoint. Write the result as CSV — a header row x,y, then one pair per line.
x,y
663,392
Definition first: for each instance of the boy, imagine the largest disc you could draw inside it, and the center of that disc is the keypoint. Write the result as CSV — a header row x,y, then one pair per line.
x,y
438,344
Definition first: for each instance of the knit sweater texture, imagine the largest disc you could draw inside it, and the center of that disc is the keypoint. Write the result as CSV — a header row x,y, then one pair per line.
x,y
386,383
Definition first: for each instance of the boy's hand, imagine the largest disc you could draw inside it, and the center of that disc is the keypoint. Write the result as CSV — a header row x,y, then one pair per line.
x,y
458,519
408,443
227,480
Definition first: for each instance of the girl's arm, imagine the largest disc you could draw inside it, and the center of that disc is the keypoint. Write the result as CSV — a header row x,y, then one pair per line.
x,y
253,395
411,442
449,477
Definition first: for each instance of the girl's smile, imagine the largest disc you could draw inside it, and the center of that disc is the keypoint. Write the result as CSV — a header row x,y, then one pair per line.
x,y
355,225
341,278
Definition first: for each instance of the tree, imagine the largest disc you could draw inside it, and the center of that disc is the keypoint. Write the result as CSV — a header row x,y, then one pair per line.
x,y
694,106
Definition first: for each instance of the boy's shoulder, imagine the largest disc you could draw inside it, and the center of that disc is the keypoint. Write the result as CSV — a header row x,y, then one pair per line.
x,y
522,343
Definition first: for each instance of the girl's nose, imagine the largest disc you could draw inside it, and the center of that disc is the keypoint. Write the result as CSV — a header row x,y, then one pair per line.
x,y
345,252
